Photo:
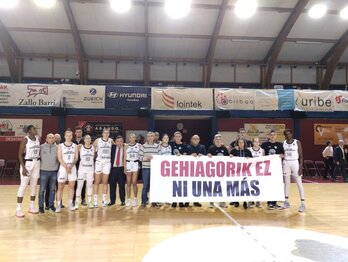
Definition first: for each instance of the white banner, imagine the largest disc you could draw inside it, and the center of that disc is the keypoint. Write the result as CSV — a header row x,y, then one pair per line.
x,y
266,100
309,100
239,99
182,98
340,100
13,130
38,95
77,96
219,178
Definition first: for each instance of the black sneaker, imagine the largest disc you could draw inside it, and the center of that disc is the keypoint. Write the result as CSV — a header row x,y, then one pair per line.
x,y
174,205
196,204
83,202
236,204
245,205
41,210
123,204
181,205
62,206
111,204
270,206
53,209
187,204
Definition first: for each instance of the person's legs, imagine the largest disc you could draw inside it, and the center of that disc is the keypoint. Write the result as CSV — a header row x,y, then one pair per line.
x,y
113,185
21,190
121,180
343,171
146,184
71,194
135,186
327,167
287,180
44,178
52,189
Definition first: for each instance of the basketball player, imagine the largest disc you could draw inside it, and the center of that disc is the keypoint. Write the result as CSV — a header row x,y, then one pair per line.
x,y
67,157
217,149
102,165
293,165
165,147
179,148
29,158
240,151
272,147
85,171
256,151
132,168
79,141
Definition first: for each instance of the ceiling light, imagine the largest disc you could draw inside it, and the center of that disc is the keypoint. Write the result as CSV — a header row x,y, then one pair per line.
x,y
317,11
121,6
177,9
344,13
245,8
45,3
8,4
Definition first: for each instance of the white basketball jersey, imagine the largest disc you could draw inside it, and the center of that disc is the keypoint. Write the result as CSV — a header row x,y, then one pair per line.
x,y
257,153
32,148
165,150
104,150
291,150
68,153
132,153
86,157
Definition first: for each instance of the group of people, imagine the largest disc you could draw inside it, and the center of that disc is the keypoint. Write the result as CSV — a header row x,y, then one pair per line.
x,y
335,160
86,165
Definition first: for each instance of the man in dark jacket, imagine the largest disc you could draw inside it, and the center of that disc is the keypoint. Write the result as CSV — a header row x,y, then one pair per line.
x,y
340,160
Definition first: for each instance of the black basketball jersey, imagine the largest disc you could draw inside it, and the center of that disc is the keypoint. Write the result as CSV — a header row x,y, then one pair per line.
x,y
275,148
218,151
178,148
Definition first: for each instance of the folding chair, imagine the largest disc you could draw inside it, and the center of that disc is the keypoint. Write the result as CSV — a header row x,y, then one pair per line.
x,y
320,167
10,170
310,168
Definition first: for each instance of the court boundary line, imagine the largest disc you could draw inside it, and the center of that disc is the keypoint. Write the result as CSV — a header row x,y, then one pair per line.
x,y
250,235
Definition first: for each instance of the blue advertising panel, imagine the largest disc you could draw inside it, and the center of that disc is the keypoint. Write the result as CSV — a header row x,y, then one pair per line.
x,y
285,99
127,97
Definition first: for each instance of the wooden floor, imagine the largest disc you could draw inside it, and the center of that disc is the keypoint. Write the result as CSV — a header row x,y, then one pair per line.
x,y
126,234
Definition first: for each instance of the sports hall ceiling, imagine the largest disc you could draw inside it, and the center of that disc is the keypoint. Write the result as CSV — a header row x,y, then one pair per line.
x,y
211,33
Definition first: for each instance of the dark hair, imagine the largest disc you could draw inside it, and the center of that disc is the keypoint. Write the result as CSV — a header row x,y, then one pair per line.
x,y
328,142
118,137
287,130
245,143
78,128
165,134
29,127
272,131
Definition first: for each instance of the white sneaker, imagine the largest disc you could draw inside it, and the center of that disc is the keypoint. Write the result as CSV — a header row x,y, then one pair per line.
x,y
71,207
302,208
128,202
105,204
95,204
286,205
211,205
33,210
77,206
135,202
19,213
90,205
58,209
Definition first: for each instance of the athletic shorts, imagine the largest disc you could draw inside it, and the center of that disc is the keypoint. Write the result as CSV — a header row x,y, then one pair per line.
x,y
33,168
102,168
63,176
291,167
132,166
85,174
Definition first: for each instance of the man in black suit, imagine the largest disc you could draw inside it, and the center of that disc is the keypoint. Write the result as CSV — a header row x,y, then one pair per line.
x,y
117,175
339,156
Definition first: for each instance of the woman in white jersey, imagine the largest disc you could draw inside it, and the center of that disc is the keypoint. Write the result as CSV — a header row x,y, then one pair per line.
x,y
67,157
165,148
131,159
256,151
29,158
102,165
86,171
292,166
